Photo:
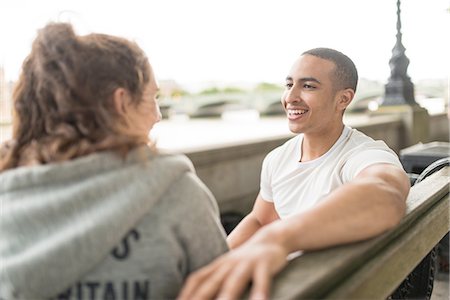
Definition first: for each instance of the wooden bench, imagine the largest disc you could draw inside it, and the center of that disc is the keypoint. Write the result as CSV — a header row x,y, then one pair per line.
x,y
372,269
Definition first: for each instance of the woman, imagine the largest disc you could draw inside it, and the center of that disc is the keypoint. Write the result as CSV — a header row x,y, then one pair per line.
x,y
89,210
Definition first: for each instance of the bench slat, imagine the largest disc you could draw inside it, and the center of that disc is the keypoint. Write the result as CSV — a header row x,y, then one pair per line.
x,y
380,276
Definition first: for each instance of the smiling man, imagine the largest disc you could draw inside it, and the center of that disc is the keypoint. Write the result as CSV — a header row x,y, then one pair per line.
x,y
328,185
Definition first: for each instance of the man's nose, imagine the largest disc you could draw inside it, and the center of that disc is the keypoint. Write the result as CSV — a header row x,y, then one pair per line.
x,y
292,95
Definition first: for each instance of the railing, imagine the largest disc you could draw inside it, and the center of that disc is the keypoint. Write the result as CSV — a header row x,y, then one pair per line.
x,y
374,268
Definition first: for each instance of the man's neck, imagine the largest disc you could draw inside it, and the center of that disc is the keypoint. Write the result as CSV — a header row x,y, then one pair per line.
x,y
316,145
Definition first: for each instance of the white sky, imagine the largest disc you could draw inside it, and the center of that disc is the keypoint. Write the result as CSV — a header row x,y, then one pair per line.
x,y
194,41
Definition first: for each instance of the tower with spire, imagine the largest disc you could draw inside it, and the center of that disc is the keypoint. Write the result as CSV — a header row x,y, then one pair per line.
x,y
399,89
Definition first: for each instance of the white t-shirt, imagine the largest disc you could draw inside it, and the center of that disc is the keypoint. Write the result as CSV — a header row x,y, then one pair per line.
x,y
295,186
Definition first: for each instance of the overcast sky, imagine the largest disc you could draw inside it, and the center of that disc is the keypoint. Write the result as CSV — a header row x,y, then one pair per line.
x,y
195,41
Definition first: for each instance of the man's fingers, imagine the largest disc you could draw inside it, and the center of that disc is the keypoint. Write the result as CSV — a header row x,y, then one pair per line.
x,y
210,286
261,283
238,279
195,280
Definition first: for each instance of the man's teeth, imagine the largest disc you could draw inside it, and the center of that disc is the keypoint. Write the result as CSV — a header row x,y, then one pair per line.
x,y
296,111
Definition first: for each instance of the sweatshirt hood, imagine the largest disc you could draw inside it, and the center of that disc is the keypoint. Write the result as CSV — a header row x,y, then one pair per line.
x,y
59,220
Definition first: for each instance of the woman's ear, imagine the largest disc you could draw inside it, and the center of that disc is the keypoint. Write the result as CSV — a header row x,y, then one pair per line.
x,y
121,100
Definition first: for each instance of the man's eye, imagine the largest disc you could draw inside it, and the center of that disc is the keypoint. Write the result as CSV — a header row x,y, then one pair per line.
x,y
288,85
307,86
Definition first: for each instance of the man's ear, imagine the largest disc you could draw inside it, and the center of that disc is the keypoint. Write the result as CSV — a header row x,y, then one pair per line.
x,y
121,100
345,98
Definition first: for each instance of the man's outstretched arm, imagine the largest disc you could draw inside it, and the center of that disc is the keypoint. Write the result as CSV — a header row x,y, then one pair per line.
x,y
369,205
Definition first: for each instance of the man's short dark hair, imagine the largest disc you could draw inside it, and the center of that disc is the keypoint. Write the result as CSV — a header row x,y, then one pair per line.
x,y
346,75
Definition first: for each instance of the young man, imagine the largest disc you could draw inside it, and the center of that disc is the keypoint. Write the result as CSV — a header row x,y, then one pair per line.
x,y
329,185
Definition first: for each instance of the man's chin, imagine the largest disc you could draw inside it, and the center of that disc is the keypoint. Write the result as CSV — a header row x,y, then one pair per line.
x,y
295,129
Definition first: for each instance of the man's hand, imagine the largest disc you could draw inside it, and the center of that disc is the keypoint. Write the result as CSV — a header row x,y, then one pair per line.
x,y
227,277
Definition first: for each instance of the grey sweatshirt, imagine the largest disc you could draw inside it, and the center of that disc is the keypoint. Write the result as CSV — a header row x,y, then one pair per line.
x,y
100,227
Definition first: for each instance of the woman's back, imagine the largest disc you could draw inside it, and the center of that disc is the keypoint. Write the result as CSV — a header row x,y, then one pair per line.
x,y
103,226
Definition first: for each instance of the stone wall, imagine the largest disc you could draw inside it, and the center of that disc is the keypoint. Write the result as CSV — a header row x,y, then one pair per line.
x,y
439,128
232,173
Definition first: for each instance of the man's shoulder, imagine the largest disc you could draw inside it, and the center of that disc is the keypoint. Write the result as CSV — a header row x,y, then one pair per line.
x,y
359,136
359,141
362,147
287,146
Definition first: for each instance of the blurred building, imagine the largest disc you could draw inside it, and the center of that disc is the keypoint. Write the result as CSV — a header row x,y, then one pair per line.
x,y
169,88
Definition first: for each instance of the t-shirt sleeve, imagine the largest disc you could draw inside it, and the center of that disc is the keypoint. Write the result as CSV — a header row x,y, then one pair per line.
x,y
360,160
265,182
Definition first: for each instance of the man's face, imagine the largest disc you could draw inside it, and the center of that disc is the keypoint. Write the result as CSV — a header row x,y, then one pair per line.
x,y
310,99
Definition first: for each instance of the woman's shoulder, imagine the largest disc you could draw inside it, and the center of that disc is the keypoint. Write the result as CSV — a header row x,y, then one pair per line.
x,y
178,172
180,161
152,160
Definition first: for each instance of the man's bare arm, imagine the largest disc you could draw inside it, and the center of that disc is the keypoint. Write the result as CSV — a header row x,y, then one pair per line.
x,y
262,214
369,205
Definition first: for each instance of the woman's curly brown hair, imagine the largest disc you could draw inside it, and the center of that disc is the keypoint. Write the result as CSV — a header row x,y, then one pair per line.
x,y
63,101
